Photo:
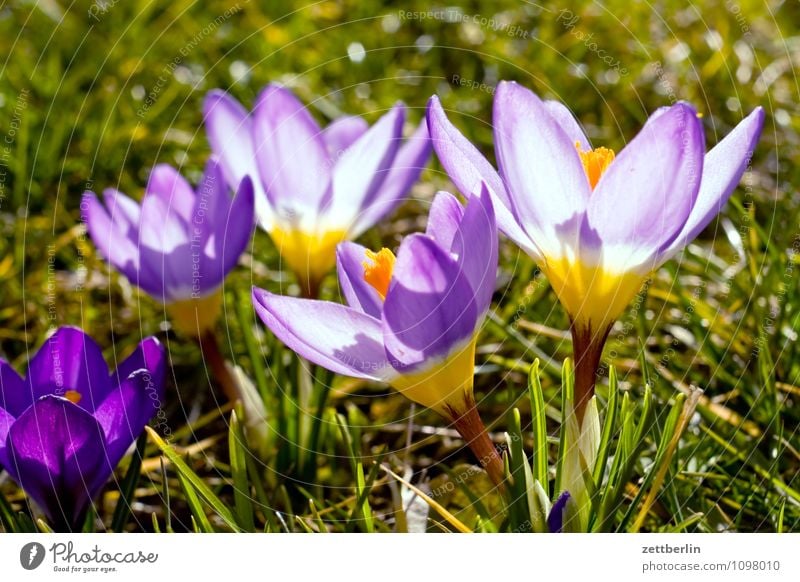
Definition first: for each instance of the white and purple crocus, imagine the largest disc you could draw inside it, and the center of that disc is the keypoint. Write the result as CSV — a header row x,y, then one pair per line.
x,y
68,423
410,321
597,224
314,187
180,243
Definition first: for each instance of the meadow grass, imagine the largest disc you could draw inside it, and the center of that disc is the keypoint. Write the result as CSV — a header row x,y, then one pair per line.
x,y
93,95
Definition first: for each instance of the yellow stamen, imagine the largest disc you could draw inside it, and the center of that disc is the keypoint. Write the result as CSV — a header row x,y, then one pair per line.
x,y
595,162
73,396
378,270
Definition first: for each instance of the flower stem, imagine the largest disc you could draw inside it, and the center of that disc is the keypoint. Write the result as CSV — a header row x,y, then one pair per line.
x,y
587,349
310,286
471,428
210,349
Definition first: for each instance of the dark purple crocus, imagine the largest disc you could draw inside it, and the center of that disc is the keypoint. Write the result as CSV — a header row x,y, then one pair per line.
x,y
555,519
66,425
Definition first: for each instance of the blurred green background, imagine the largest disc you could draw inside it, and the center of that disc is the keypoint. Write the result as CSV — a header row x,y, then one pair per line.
x,y
92,95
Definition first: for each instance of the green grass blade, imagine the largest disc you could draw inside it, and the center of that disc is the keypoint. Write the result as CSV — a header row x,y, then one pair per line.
x,y
202,489
539,462
199,518
7,515
165,496
518,511
474,500
438,508
566,411
128,486
609,424
241,488
245,315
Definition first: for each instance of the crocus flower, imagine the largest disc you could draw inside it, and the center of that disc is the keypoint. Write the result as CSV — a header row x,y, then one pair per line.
x,y
555,519
596,223
180,244
410,321
66,425
314,187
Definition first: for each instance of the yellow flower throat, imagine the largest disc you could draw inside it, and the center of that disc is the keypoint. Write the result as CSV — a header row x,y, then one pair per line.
x,y
309,254
592,295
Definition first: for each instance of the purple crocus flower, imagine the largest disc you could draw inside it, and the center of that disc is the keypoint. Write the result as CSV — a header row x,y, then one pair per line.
x,y
314,187
412,321
180,244
555,519
597,224
66,425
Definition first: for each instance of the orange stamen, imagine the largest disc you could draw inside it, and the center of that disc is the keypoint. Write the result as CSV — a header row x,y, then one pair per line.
x,y
378,270
595,162
73,396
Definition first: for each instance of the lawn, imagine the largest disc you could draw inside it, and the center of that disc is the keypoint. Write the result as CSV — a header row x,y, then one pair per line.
x,y
94,95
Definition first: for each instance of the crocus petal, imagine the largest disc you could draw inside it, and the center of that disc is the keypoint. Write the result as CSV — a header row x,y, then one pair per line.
x,y
411,159
467,168
363,167
568,123
555,520
168,277
475,244
167,183
221,234
6,420
124,211
444,218
162,229
644,198
238,226
359,294
342,133
723,168
109,238
342,339
292,159
541,168
70,360
212,204
148,355
465,165
15,395
167,269
656,114
230,133
56,453
212,185
126,411
430,309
